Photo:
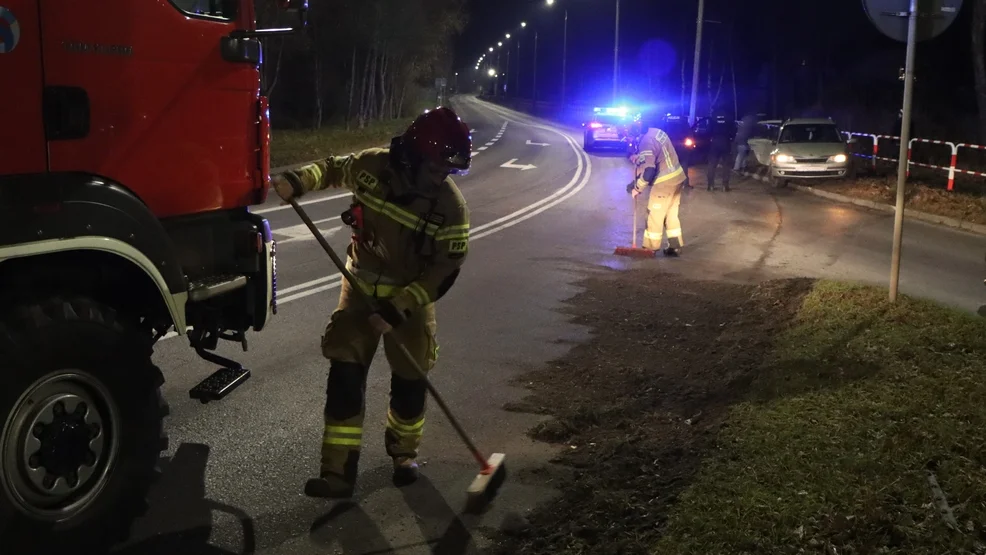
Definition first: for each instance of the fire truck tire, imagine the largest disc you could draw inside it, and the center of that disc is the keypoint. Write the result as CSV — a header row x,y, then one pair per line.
x,y
81,426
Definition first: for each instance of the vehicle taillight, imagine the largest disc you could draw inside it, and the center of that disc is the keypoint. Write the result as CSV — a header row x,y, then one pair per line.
x,y
263,150
595,125
689,142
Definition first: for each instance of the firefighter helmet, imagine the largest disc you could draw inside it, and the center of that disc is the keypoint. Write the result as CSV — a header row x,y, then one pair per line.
x,y
441,137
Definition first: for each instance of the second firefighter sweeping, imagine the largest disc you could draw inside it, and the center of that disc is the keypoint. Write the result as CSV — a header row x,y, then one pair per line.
x,y
410,238
665,176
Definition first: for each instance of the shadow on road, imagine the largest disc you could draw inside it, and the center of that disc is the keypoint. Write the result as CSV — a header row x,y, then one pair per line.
x,y
178,502
352,531
432,513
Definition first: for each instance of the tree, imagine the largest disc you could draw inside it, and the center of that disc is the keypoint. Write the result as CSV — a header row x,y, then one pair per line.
x,y
979,61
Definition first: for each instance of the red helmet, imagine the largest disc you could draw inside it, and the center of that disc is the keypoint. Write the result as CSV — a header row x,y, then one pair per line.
x,y
440,136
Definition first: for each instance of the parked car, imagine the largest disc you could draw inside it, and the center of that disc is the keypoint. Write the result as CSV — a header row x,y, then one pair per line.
x,y
803,149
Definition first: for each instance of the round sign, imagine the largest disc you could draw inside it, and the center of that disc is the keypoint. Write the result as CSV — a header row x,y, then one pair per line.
x,y
10,31
890,17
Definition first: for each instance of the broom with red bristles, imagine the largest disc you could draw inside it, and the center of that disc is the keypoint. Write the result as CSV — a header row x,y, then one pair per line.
x,y
633,250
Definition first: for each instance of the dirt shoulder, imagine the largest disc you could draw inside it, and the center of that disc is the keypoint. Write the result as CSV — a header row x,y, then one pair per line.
x,y
719,418
932,200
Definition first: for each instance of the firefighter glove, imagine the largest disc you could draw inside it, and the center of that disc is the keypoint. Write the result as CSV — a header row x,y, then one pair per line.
x,y
390,313
631,186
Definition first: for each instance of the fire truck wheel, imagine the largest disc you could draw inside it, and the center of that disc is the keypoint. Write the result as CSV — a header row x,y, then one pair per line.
x,y
81,426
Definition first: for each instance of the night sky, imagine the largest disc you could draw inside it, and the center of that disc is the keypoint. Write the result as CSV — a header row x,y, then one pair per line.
x,y
655,36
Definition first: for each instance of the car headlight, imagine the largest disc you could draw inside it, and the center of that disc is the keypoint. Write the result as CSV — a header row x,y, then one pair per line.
x,y
783,158
838,158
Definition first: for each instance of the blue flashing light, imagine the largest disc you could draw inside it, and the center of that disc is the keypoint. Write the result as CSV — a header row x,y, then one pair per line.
x,y
621,111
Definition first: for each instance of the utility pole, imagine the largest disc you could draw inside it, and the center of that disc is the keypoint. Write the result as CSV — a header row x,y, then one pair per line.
x,y
698,62
616,55
506,76
564,57
517,79
534,85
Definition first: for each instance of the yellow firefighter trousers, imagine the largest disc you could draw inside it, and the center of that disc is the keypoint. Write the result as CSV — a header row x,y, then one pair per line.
x,y
349,338
662,217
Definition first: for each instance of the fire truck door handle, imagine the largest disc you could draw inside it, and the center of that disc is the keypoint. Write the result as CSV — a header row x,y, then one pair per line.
x,y
240,49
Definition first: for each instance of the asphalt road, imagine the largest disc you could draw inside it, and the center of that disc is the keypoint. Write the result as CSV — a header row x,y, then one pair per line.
x,y
236,468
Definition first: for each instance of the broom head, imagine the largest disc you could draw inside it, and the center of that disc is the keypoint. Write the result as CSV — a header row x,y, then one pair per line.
x,y
634,252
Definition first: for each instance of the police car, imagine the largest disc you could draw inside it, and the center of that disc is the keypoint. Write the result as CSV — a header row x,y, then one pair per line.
x,y
614,127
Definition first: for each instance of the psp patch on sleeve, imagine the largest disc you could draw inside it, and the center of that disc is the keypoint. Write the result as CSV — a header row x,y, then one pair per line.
x,y
366,179
457,246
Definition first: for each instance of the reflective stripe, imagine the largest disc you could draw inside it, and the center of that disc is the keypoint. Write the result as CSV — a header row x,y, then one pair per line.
x,y
342,435
651,235
669,176
318,173
655,206
399,215
676,232
419,293
453,232
405,430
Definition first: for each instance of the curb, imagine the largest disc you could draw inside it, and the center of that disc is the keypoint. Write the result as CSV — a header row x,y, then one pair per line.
x,y
909,213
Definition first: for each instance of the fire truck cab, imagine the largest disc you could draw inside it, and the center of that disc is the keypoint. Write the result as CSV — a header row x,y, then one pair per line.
x,y
133,140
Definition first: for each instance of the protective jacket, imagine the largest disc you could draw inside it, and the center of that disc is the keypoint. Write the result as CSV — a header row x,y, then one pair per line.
x,y
407,246
657,151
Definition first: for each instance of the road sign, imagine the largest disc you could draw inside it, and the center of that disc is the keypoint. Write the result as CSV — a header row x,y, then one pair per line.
x,y
890,17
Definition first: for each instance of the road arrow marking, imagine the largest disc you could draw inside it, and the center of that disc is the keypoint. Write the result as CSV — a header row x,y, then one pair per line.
x,y
537,144
522,167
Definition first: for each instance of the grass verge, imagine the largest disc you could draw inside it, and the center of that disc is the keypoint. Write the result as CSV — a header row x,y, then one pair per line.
x,y
291,146
858,408
790,417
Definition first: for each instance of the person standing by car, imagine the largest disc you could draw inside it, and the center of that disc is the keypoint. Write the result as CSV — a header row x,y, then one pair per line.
x,y
746,129
722,131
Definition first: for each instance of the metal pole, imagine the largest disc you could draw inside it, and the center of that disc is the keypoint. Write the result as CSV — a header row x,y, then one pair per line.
x,y
506,76
905,137
698,61
564,57
517,78
496,76
616,55
534,84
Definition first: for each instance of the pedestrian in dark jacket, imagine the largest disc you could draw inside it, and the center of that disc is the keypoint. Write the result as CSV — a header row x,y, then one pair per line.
x,y
722,132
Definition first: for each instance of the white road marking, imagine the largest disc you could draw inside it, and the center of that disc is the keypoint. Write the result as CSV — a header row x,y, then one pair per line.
x,y
521,167
537,144
332,281
483,148
302,203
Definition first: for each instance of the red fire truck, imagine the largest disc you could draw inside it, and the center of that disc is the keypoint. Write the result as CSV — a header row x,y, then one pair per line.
x,y
133,139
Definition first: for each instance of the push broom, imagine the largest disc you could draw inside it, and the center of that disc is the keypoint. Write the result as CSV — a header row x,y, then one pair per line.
x,y
633,250
493,471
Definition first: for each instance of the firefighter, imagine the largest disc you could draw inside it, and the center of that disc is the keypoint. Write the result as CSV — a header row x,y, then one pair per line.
x,y
659,168
410,238
721,135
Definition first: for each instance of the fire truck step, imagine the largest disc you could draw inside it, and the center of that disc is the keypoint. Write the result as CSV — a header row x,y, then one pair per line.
x,y
214,286
220,384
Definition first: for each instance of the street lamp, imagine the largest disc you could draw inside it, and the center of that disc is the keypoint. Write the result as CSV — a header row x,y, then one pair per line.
x,y
491,72
508,35
491,49
499,44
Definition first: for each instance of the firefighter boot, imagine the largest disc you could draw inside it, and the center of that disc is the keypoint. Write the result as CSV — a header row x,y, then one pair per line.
x,y
405,471
342,438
